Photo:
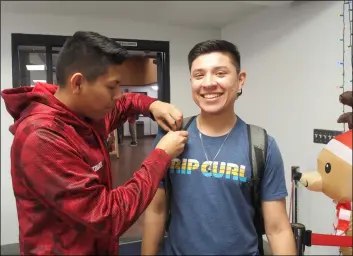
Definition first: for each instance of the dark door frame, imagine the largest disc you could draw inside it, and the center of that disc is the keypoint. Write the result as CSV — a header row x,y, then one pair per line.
x,y
49,41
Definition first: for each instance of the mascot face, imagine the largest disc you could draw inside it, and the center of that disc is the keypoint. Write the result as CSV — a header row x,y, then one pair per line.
x,y
335,168
334,175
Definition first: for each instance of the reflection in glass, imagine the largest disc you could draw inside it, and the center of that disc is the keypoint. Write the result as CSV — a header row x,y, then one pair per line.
x,y
32,64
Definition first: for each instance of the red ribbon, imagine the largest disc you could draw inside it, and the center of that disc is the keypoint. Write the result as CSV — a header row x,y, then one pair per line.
x,y
331,240
345,205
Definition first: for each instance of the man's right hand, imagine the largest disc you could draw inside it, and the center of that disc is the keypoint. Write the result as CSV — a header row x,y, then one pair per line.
x,y
173,143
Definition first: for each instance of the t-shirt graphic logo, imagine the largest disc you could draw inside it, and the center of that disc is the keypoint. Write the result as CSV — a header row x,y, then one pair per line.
x,y
219,169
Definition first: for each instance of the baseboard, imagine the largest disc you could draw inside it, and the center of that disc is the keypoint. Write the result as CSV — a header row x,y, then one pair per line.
x,y
10,249
144,136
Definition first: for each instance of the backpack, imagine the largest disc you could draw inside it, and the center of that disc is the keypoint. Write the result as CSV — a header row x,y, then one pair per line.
x,y
257,137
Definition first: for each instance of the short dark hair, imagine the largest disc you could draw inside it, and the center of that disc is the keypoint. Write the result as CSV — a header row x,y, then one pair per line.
x,y
90,54
211,46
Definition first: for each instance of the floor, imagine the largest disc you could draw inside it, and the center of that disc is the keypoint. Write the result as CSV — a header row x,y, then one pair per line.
x,y
122,170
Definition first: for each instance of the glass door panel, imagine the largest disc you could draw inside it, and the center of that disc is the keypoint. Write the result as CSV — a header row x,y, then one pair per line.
x,y
32,65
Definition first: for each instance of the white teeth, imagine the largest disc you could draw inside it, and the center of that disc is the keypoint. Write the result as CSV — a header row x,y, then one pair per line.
x,y
211,96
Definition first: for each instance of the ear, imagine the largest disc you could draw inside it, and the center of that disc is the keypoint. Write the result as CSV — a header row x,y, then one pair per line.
x,y
346,118
346,98
241,79
76,82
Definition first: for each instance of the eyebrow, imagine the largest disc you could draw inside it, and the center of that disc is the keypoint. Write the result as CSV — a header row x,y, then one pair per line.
x,y
114,82
218,67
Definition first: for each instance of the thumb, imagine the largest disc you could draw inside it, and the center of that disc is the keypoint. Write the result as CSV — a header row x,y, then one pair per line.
x,y
165,127
183,133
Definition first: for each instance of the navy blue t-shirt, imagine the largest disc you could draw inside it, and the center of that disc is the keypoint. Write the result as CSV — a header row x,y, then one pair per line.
x,y
212,211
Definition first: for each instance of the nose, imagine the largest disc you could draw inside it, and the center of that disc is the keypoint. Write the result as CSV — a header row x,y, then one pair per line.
x,y
209,81
312,181
117,95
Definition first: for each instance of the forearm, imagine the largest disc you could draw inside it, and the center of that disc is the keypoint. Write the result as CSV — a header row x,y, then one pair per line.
x,y
153,233
89,203
140,190
136,103
78,196
282,242
128,105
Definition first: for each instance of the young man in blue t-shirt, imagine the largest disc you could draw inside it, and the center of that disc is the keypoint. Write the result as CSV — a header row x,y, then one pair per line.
x,y
211,206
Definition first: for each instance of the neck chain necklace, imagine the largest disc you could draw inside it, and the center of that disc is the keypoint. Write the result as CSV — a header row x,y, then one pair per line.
x,y
210,164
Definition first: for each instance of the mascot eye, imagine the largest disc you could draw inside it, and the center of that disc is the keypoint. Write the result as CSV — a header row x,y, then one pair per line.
x,y
328,168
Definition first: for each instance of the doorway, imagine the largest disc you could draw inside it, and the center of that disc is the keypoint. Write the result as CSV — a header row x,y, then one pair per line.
x,y
34,59
27,47
140,76
137,134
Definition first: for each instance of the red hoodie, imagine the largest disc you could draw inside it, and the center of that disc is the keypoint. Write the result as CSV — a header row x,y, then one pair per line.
x,y
61,175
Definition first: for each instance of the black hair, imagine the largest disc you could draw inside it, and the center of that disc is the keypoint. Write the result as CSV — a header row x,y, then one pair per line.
x,y
90,54
211,46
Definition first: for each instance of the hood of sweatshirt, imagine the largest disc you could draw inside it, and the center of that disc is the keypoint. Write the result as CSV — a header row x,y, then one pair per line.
x,y
26,101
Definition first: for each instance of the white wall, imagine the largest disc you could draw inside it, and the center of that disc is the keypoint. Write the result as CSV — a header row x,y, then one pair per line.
x,y
291,59
181,41
290,55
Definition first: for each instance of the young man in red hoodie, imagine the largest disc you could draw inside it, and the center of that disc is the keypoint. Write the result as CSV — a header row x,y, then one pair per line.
x,y
60,166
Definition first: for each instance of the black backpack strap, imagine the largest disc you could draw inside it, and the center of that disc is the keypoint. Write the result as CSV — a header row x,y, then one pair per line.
x,y
168,183
257,151
186,122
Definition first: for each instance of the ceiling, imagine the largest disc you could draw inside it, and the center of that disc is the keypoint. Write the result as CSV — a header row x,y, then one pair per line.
x,y
197,14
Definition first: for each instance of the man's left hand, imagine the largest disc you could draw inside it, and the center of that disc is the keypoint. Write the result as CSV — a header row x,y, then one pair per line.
x,y
166,115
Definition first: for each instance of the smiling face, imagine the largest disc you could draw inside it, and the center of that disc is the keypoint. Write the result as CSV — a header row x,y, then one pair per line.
x,y
215,82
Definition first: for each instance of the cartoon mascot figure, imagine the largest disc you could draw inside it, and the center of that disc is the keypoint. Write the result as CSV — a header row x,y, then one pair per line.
x,y
334,174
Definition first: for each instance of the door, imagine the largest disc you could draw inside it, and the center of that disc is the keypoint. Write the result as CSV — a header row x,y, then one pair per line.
x,y
159,63
32,65
35,64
